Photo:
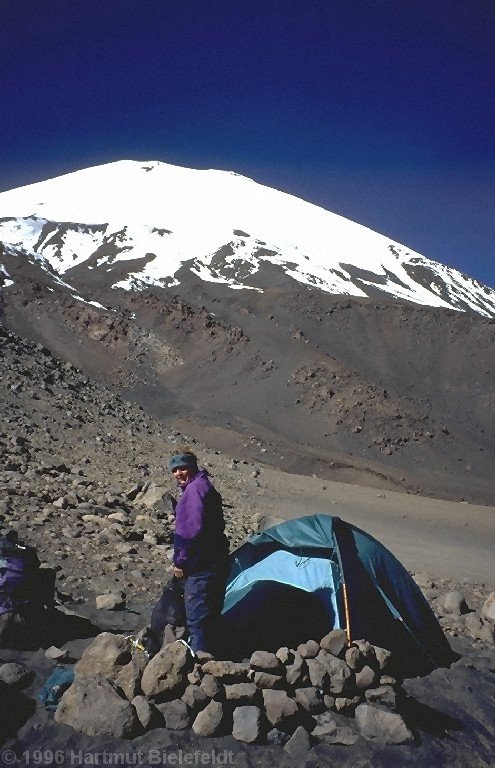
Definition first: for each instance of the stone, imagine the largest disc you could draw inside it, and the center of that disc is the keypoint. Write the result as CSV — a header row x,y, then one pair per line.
x,y
212,687
329,732
384,695
241,692
279,707
56,654
310,699
381,725
488,609
175,714
339,674
299,744
284,655
129,677
209,721
365,648
353,657
246,724
277,737
227,671
165,675
145,713
334,642
317,673
382,656
294,672
309,649
14,674
106,656
347,704
195,698
266,662
93,706
455,603
110,601
365,678
265,680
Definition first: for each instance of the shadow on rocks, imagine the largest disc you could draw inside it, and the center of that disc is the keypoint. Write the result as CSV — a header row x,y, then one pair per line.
x,y
15,709
421,717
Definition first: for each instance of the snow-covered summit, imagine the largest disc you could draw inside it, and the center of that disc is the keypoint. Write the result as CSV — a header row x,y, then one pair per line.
x,y
223,226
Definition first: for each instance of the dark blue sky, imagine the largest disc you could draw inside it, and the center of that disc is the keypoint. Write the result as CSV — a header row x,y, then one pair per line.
x,y
380,110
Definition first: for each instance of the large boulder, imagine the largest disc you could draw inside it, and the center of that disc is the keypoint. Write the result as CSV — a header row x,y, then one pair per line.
x,y
380,724
165,677
92,705
106,656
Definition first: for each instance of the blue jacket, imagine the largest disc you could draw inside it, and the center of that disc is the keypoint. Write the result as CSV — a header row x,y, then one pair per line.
x,y
199,541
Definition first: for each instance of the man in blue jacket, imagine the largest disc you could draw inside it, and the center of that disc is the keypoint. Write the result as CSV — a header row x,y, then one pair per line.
x,y
200,561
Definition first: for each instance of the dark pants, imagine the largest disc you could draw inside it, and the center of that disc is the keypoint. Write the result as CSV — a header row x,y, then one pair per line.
x,y
195,601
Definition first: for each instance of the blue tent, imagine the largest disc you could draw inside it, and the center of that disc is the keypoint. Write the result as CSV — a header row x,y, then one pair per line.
x,y
302,578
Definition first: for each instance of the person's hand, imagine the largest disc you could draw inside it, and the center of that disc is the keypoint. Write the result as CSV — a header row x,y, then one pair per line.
x,y
178,572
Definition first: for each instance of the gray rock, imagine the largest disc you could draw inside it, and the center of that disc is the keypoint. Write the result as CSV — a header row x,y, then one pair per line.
x,y
106,656
265,680
175,714
129,677
299,744
247,724
329,731
227,671
144,711
455,603
284,655
488,609
309,649
338,672
279,707
353,657
195,698
165,675
334,642
310,699
209,720
365,678
212,687
111,601
15,674
266,662
317,673
93,706
56,654
381,725
241,692
382,656
296,670
384,695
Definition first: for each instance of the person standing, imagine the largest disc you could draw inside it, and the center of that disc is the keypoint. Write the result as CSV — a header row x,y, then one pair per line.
x,y
200,560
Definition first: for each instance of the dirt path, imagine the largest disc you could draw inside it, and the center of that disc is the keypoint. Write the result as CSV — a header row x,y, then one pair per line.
x,y
449,539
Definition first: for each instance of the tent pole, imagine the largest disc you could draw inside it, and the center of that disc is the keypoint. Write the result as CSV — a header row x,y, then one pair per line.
x,y
337,521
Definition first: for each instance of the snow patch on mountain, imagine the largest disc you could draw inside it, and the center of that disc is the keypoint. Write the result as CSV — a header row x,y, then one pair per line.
x,y
222,227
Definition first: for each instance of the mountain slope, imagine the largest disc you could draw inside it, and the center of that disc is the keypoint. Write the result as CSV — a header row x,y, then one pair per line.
x,y
134,225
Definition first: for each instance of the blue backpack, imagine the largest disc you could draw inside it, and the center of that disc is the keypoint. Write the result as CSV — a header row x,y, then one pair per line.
x,y
19,569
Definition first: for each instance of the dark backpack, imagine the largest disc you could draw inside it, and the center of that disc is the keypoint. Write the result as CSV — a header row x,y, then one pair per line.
x,y
23,585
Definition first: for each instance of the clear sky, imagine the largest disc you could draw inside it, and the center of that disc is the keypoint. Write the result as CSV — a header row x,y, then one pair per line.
x,y
380,110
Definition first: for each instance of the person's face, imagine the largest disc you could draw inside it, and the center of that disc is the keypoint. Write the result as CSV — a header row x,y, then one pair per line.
x,y
183,474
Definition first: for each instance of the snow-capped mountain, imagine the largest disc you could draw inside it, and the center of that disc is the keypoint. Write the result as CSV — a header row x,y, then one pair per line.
x,y
223,227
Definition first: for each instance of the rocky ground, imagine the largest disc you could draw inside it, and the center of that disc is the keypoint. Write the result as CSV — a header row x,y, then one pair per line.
x,y
83,478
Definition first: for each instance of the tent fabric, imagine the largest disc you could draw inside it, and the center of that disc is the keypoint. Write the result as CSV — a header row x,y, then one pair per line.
x,y
318,572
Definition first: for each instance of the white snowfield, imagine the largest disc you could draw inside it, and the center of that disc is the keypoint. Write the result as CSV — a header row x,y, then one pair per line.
x,y
223,226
